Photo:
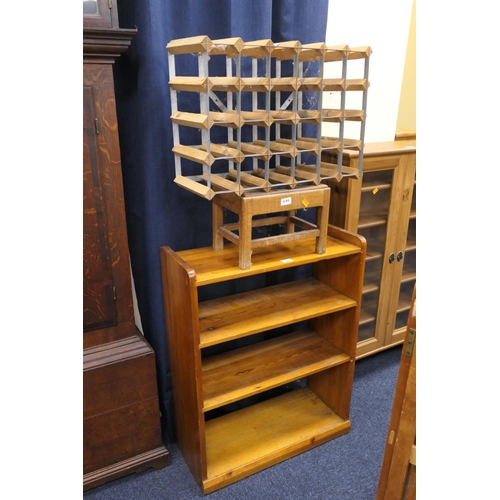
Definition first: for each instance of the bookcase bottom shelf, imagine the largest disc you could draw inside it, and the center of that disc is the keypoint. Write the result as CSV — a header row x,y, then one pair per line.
x,y
249,440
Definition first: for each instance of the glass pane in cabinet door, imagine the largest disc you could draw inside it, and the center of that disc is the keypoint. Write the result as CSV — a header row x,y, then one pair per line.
x,y
370,297
90,7
372,224
409,276
98,13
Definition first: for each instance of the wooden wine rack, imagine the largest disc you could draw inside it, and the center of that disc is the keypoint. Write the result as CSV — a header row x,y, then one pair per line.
x,y
260,130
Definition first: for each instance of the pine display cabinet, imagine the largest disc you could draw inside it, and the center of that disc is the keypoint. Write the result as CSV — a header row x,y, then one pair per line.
x,y
381,206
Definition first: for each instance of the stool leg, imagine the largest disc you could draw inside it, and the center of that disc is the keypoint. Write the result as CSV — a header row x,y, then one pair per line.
x,y
322,223
245,233
289,226
217,221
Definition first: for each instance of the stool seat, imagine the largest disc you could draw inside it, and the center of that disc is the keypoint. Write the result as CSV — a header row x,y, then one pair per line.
x,y
252,204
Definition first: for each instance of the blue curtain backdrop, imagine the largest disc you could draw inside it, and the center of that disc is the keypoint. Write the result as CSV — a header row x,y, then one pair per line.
x,y
158,211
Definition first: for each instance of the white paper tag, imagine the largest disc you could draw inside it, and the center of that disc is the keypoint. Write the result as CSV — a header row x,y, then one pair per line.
x,y
286,201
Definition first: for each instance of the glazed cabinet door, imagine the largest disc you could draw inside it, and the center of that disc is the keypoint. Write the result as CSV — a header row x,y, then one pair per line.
x,y
378,207
377,221
404,278
385,219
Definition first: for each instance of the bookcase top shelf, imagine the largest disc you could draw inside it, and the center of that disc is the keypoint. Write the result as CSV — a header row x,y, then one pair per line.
x,y
214,266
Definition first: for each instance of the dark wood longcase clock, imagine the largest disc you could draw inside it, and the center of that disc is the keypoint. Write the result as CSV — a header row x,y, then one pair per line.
x,y
121,416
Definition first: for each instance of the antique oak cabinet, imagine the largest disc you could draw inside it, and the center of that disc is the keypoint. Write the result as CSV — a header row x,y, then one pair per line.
x,y
121,417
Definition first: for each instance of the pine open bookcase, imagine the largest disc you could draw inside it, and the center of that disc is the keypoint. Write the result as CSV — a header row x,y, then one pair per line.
x,y
291,387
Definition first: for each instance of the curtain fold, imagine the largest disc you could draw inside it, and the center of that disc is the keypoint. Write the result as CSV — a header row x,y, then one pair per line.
x,y
158,211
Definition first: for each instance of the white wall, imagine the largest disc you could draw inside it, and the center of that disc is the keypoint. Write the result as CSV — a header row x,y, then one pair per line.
x,y
383,25
407,116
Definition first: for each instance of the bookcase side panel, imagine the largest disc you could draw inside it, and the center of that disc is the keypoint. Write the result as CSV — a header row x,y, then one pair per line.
x,y
344,274
183,336
334,386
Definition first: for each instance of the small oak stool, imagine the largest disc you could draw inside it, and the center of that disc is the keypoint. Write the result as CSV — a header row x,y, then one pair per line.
x,y
254,203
